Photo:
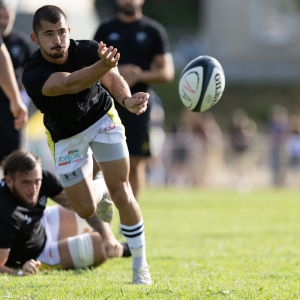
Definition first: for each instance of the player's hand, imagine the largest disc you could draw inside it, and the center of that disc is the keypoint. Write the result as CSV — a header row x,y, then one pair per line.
x,y
131,73
109,56
137,103
111,248
20,113
31,267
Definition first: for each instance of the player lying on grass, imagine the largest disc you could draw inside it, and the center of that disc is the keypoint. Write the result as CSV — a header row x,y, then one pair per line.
x,y
32,234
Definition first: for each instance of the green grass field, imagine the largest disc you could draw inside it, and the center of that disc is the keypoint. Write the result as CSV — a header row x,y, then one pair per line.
x,y
201,244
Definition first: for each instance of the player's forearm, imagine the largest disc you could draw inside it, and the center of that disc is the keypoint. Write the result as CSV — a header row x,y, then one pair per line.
x,y
82,79
63,200
103,228
118,87
7,270
8,80
157,76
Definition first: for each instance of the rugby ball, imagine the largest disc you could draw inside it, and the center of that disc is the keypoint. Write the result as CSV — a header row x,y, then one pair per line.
x,y
201,83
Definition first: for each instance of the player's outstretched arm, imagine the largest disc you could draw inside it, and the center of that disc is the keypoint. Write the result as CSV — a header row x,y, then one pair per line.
x,y
111,247
119,88
61,83
10,87
30,267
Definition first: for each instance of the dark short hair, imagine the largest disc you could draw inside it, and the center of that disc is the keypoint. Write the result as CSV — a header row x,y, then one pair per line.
x,y
20,161
49,13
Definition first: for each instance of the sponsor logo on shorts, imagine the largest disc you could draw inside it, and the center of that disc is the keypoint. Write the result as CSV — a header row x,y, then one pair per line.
x,y
72,157
70,176
107,129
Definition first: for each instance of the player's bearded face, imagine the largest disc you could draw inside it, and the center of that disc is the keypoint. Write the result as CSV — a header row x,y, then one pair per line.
x,y
26,187
129,7
54,39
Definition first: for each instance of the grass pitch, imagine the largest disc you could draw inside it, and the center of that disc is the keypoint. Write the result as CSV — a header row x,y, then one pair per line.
x,y
201,244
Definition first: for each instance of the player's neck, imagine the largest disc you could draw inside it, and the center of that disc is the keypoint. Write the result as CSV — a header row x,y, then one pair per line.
x,y
130,18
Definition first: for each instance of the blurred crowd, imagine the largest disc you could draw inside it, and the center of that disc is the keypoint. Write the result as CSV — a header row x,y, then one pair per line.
x,y
198,152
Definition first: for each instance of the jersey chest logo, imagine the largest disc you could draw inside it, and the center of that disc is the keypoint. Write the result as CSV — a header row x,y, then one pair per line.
x,y
114,36
28,220
141,36
43,200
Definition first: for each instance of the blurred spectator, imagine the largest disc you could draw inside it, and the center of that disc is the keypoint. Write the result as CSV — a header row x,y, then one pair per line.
x,y
242,133
187,48
155,167
175,159
207,154
293,147
278,128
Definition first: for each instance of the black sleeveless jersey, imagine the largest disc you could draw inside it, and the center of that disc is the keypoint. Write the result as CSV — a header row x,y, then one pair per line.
x,y
21,229
70,114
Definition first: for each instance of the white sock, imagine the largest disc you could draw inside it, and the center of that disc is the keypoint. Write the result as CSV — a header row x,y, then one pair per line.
x,y
135,237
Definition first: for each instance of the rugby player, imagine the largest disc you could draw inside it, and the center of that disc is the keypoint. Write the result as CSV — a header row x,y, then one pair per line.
x,y
55,237
18,46
149,47
9,85
62,79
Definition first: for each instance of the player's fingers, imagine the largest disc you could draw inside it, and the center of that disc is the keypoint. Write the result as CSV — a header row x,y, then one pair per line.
x,y
107,52
142,110
17,124
120,251
117,58
110,57
104,251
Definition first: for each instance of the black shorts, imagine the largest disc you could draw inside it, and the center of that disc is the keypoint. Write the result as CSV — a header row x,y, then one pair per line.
x,y
136,130
10,139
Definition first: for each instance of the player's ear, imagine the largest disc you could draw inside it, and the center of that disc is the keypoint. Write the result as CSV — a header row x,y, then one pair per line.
x,y
9,181
69,29
34,38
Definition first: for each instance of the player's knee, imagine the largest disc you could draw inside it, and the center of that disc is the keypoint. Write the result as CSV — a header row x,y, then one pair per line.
x,y
81,250
86,211
122,194
98,254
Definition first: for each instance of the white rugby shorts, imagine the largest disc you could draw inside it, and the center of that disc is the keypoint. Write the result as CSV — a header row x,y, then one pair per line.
x,y
49,257
72,153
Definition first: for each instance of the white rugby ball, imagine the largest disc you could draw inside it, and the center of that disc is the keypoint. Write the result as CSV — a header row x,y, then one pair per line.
x,y
201,83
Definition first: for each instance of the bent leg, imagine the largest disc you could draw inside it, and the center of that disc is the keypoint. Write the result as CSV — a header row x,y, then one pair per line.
x,y
81,251
71,224
116,174
84,196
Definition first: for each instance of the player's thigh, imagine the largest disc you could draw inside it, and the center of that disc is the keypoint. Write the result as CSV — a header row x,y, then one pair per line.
x,y
113,160
67,225
81,196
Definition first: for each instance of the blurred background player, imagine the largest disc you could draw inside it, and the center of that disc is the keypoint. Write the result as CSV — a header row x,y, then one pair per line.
x,y
149,46
11,106
31,233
